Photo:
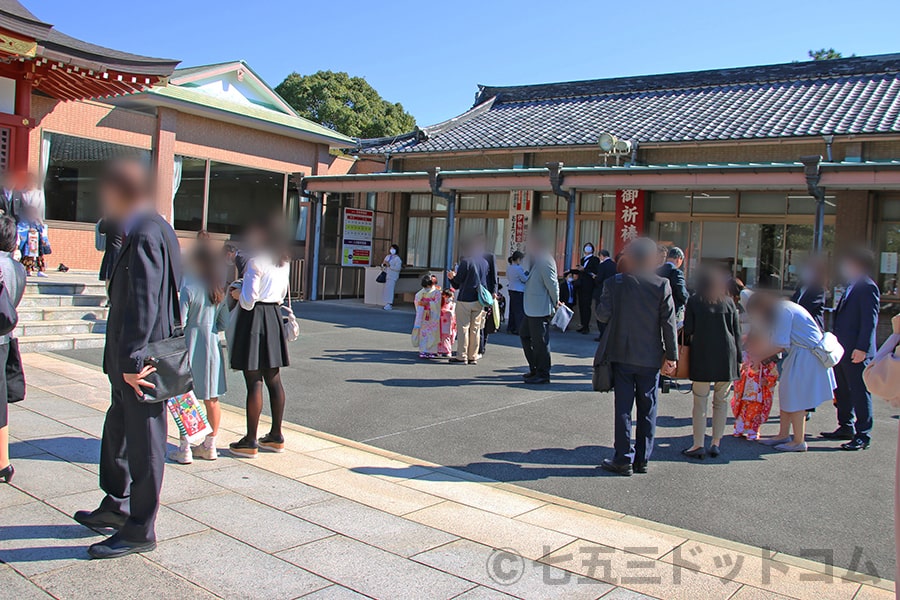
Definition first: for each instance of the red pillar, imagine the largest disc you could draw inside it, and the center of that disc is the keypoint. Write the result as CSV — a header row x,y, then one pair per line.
x,y
19,155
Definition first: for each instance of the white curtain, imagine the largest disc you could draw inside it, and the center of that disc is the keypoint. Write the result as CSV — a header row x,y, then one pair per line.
x,y
45,157
176,181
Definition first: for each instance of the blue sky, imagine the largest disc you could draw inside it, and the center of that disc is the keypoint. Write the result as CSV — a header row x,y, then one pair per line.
x,y
431,54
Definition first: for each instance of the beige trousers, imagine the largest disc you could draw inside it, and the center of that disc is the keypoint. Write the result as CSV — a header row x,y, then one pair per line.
x,y
469,321
719,409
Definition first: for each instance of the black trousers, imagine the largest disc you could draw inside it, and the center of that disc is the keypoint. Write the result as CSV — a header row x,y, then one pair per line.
x,y
516,312
635,386
853,398
132,461
535,335
585,308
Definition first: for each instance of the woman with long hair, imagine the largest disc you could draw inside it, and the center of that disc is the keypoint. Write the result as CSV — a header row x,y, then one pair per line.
x,y
259,348
713,331
204,314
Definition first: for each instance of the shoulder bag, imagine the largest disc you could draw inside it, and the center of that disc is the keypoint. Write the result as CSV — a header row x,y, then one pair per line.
x,y
289,322
882,375
15,374
602,379
169,356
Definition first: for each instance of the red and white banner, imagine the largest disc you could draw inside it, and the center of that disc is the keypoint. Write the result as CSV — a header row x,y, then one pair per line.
x,y
519,219
631,207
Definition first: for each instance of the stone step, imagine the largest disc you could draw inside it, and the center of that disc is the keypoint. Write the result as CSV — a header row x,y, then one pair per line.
x,y
61,328
48,286
49,343
51,300
63,313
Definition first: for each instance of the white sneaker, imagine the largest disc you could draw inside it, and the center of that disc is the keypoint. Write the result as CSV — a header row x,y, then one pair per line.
x,y
207,450
41,274
388,307
183,454
801,447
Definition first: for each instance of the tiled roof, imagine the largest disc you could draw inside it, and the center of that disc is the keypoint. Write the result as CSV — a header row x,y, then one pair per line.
x,y
859,95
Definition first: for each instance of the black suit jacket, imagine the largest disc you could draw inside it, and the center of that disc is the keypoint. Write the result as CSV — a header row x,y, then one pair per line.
x,y
856,317
813,300
569,299
8,203
645,329
142,295
676,282
605,270
587,279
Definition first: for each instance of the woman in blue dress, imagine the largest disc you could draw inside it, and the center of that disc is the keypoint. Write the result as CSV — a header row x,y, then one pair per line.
x,y
205,315
805,382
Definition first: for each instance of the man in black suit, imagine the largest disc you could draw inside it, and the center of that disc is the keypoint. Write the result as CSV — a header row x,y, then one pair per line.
x,y
855,319
585,290
811,292
671,270
10,198
143,290
605,270
642,336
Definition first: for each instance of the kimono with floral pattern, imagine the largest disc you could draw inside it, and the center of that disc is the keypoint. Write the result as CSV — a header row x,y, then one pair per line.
x,y
428,320
752,400
448,326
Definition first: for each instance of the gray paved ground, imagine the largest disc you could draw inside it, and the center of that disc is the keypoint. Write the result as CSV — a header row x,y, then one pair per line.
x,y
356,375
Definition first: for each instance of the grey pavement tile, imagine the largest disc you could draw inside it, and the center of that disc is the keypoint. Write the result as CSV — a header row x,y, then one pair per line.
x,y
46,476
623,594
259,525
134,577
483,593
35,538
21,449
510,573
14,585
374,527
27,425
180,485
90,425
373,571
79,449
62,409
334,592
169,523
11,496
266,487
232,569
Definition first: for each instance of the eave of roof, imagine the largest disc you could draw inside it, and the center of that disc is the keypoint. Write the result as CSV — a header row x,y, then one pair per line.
x,y
191,101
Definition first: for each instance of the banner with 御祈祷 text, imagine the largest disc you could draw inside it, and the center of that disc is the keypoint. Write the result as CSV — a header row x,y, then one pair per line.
x,y
631,207
519,219
356,240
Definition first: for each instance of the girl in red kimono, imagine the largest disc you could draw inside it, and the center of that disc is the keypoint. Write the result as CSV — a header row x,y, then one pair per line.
x,y
448,324
753,392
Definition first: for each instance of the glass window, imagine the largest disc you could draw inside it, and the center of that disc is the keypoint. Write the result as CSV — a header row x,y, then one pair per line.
x,y
717,245
417,240
438,243
806,205
890,242
189,197
608,236
797,248
754,203
468,228
890,209
297,215
371,200
473,202
73,172
719,203
499,201
550,202
495,235
332,221
760,255
670,202
671,233
420,202
589,232
237,195
439,204
591,203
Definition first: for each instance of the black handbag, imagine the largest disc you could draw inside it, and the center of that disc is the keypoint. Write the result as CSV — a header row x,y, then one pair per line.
x,y
15,374
602,378
9,318
382,277
169,356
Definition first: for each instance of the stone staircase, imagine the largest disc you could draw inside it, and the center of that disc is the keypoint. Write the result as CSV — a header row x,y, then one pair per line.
x,y
62,312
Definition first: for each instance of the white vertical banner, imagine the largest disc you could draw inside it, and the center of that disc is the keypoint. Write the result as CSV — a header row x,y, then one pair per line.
x,y
520,202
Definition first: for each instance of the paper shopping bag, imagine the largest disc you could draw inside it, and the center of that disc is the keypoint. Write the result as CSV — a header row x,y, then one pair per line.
x,y
190,417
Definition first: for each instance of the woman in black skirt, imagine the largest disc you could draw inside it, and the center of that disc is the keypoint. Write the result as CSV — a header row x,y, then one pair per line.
x,y
259,348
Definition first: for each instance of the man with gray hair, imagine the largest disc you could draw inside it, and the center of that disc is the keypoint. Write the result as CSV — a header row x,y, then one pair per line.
x,y
671,270
640,313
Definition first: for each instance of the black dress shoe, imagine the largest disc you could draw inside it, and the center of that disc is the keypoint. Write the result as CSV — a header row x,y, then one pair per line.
x,y
623,469
116,547
100,519
639,467
714,451
855,444
699,453
529,375
537,380
7,473
841,433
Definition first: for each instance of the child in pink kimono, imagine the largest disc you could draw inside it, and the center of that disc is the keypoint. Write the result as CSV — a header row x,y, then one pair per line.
x,y
448,324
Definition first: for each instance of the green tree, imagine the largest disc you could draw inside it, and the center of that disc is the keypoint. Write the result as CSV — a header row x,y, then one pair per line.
x,y
346,104
825,54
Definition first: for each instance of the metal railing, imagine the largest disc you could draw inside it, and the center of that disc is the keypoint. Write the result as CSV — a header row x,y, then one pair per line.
x,y
298,279
340,282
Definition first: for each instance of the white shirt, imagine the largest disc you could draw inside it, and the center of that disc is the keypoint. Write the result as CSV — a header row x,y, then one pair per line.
x,y
264,281
34,198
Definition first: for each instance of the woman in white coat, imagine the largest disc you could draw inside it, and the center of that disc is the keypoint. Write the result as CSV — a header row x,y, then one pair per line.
x,y
391,265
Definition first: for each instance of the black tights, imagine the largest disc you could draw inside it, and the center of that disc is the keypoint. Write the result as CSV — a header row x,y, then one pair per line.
x,y
272,380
